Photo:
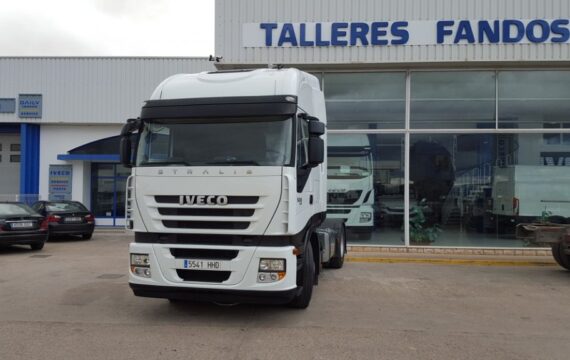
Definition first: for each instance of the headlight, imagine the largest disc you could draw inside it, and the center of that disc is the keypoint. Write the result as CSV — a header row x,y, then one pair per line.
x,y
140,260
140,265
365,217
272,265
271,270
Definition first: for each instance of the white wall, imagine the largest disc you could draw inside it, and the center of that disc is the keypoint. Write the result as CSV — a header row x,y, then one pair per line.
x,y
88,90
59,139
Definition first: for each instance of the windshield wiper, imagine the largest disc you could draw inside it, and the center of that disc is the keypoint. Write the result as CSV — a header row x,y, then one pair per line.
x,y
164,163
234,162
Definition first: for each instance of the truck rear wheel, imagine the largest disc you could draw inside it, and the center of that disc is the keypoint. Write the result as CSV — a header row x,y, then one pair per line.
x,y
559,254
302,300
337,261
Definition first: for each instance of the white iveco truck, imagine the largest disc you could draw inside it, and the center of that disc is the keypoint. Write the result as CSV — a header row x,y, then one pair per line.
x,y
350,183
227,197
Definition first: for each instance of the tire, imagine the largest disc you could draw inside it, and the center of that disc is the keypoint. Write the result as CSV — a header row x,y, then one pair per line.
x,y
87,236
337,261
560,256
302,299
37,246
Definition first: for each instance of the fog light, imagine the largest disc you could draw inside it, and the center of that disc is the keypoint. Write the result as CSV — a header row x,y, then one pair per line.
x,y
141,271
365,217
140,260
269,277
271,264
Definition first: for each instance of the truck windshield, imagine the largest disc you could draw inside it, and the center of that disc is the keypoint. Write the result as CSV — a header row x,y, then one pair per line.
x,y
263,141
348,167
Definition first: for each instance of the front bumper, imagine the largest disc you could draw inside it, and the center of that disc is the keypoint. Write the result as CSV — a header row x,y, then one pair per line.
x,y
23,238
240,286
351,215
214,295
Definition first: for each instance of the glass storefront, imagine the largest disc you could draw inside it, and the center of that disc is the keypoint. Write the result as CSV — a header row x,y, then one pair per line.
x,y
365,100
366,185
108,182
481,150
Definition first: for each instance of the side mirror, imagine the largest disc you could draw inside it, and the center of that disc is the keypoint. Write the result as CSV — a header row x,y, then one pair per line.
x,y
130,127
126,146
126,151
316,151
316,128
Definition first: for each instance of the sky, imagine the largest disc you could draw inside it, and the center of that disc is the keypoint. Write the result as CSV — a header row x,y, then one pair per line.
x,y
106,27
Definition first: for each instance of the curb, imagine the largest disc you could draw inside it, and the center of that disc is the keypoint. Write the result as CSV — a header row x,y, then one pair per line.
x,y
447,251
479,262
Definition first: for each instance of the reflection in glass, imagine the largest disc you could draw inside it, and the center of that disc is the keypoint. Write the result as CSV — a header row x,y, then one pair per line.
x,y
452,100
120,197
108,189
103,169
533,99
365,186
477,187
365,100
102,197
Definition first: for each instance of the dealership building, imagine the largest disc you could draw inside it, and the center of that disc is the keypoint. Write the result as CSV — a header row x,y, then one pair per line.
x,y
455,112
60,120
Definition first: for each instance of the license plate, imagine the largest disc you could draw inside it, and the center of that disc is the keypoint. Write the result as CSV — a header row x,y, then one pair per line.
x,y
73,219
22,225
211,265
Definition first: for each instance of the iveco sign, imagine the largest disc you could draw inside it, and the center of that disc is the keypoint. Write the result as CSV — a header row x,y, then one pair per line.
x,y
382,33
203,200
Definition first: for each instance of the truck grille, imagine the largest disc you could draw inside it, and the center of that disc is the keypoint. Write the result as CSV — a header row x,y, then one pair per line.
x,y
208,254
345,198
205,212
224,225
232,200
203,275
237,214
338,211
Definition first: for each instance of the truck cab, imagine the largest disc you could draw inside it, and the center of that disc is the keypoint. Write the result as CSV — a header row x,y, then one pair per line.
x,y
350,183
227,197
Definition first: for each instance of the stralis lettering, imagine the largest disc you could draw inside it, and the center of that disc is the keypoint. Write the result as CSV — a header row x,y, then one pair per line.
x,y
203,200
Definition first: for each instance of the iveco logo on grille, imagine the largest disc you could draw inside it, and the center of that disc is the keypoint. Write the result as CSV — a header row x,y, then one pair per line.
x,y
203,200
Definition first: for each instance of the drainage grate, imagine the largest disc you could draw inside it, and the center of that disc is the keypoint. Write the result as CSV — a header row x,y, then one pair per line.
x,y
110,276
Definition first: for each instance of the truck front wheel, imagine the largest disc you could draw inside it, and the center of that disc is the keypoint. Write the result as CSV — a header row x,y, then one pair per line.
x,y
303,298
560,255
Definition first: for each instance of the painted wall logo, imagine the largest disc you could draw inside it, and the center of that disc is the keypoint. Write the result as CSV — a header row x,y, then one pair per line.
x,y
30,106
388,33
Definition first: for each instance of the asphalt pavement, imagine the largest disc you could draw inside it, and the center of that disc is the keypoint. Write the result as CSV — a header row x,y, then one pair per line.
x,y
72,301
